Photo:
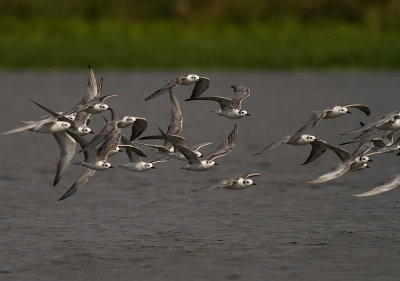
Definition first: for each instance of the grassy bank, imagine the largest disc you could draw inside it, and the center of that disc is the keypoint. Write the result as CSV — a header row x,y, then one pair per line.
x,y
111,44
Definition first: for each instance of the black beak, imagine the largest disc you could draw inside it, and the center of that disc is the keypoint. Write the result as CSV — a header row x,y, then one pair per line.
x,y
153,167
370,160
349,112
111,167
253,183
216,164
366,166
248,114
91,132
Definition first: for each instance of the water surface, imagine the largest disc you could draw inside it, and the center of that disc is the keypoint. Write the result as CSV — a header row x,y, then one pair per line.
x,y
152,226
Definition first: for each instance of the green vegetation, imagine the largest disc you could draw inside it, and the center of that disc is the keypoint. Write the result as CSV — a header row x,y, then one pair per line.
x,y
277,34
178,45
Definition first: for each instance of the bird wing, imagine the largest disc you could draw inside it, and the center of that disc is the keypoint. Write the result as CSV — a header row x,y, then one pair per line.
x,y
102,136
91,92
82,180
200,87
223,184
30,125
109,145
162,159
81,119
138,127
59,117
67,147
339,171
343,154
361,107
250,175
197,147
318,148
132,150
241,92
370,126
103,98
175,127
223,102
171,84
391,184
226,146
189,154
159,148
273,145
315,117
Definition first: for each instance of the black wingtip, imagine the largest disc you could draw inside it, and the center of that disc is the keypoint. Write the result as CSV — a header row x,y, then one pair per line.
x,y
55,181
69,192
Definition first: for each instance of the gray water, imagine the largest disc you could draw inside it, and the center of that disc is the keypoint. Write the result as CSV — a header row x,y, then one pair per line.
x,y
151,226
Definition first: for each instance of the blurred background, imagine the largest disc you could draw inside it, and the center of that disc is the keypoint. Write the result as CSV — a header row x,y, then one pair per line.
x,y
218,34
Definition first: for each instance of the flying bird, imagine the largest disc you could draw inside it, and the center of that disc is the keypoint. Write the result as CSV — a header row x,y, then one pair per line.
x,y
230,108
196,164
238,182
201,84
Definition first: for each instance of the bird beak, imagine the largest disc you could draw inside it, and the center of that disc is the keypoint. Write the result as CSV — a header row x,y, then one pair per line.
x,y
253,183
370,160
111,167
216,164
91,132
153,167
367,166
248,114
349,112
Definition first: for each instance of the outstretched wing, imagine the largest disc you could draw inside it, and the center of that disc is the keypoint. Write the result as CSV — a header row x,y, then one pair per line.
x,y
241,92
318,148
189,154
223,102
315,117
200,87
138,127
273,145
171,84
225,147
67,148
91,90
339,171
392,184
361,107
82,180
175,128
30,125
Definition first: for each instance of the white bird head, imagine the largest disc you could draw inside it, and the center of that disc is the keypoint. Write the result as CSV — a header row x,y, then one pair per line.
x,y
71,116
84,130
192,78
60,126
100,106
149,166
126,121
362,159
308,138
104,164
209,163
340,109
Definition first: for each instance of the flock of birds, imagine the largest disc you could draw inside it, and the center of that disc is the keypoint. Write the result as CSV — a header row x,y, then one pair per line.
x,y
70,127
